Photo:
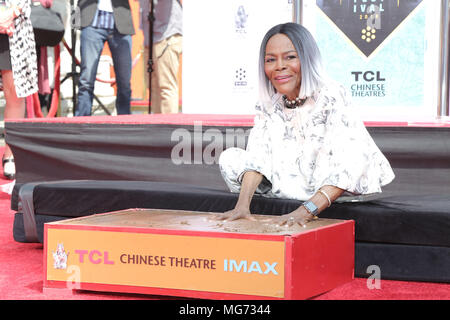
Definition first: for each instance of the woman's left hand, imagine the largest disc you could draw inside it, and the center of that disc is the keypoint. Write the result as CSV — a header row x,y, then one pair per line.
x,y
9,30
300,216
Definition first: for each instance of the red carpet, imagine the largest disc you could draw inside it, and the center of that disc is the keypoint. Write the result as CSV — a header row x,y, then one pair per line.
x,y
21,275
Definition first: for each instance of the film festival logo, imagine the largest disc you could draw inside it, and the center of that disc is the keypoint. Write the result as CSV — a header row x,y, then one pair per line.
x,y
240,84
367,23
60,262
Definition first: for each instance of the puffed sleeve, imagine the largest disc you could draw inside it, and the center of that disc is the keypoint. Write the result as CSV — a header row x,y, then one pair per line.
x,y
234,162
348,158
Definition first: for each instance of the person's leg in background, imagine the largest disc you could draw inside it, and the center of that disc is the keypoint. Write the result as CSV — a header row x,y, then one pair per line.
x,y
166,58
146,53
92,41
120,46
14,109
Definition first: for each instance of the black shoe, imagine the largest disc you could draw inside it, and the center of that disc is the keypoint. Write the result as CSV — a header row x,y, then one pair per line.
x,y
9,168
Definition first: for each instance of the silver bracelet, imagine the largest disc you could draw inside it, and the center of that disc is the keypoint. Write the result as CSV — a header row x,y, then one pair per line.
x,y
326,196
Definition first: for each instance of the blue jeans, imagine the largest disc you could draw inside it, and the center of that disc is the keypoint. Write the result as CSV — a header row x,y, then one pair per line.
x,y
91,46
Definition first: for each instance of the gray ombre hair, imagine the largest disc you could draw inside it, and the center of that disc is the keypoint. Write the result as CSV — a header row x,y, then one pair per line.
x,y
313,75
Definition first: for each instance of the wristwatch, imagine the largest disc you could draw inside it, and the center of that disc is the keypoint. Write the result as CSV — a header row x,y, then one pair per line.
x,y
311,208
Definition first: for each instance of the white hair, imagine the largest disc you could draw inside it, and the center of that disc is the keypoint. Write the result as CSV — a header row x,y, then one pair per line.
x,y
312,71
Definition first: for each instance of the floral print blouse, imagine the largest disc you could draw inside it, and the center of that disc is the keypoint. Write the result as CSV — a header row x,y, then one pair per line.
x,y
300,150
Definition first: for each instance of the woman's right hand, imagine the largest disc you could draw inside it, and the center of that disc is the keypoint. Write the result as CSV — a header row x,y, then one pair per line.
x,y
235,214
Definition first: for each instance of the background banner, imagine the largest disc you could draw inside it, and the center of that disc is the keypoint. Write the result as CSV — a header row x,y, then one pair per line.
x,y
386,53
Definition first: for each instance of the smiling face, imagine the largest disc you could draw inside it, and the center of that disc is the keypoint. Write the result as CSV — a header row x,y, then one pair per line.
x,y
282,66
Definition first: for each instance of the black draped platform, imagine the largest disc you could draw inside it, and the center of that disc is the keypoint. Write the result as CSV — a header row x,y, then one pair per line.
x,y
82,166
